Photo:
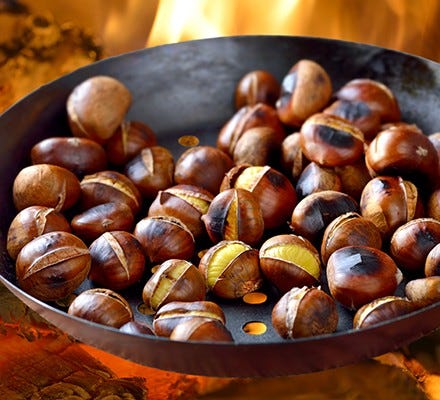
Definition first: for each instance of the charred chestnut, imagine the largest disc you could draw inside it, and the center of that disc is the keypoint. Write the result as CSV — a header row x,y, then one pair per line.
x,y
315,178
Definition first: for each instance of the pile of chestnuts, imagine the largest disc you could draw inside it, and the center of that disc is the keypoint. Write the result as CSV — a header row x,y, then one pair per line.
x,y
327,196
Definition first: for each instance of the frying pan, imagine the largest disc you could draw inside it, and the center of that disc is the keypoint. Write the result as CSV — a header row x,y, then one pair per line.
x,y
188,88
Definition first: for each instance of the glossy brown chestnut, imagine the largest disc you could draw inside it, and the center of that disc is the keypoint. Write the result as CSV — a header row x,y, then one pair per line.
x,y
82,156
134,327
375,94
128,141
331,141
171,314
423,291
118,260
381,310
164,237
109,186
405,151
174,280
305,90
289,261
105,217
151,170
201,330
202,166
46,185
315,178
293,160
389,202
272,189
231,269
31,222
185,202
358,275
53,265
353,178
103,306
97,106
258,86
312,214
350,229
247,117
304,312
412,242
234,214
432,263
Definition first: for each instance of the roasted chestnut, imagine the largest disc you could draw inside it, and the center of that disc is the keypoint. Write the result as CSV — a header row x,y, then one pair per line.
x,y
293,160
134,327
258,86
174,280
272,189
289,261
350,229
412,242
304,312
423,291
381,310
46,185
31,222
432,263
358,275
315,178
171,314
53,265
118,260
164,237
305,90
234,214
231,269
151,170
82,156
201,330
97,106
103,306
331,141
353,178
433,206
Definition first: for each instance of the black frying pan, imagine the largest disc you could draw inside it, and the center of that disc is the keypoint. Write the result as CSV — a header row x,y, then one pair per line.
x,y
188,88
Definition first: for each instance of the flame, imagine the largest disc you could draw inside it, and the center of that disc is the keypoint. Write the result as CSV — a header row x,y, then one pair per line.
x,y
404,25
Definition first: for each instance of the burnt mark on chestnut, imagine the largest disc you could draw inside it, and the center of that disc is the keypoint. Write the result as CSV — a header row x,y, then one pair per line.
x,y
335,137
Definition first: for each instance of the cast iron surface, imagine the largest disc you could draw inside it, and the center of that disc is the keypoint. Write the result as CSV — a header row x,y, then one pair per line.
x,y
188,88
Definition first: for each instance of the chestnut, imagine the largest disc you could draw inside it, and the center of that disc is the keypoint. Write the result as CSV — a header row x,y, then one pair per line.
x,y
304,312
97,106
82,156
118,260
312,214
247,117
349,229
94,221
31,222
293,160
272,189
315,178
432,262
134,327
231,269
353,178
389,202
405,151
151,170
331,141
103,306
201,330
128,141
202,166
433,205
357,275
234,214
164,237
173,280
257,86
171,314
412,242
51,266
378,96
185,202
109,186
46,185
381,310
305,90
288,260
423,291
